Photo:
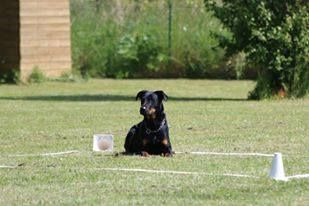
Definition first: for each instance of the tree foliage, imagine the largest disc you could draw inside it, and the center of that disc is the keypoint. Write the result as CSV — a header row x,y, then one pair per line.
x,y
129,39
274,34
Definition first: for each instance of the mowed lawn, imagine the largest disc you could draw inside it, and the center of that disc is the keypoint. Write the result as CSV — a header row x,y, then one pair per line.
x,y
208,116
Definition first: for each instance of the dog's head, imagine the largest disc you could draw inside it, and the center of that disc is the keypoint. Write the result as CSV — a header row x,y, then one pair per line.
x,y
151,103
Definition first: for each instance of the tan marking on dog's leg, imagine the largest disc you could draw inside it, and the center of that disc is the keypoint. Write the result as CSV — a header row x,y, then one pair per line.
x,y
165,141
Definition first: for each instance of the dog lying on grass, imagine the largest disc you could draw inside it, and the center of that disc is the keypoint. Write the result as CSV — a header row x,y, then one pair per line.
x,y
150,136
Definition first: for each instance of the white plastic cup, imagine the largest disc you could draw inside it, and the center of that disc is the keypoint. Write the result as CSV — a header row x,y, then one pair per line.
x,y
103,142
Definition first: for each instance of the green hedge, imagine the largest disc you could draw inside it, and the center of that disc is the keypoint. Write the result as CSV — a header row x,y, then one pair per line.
x,y
129,39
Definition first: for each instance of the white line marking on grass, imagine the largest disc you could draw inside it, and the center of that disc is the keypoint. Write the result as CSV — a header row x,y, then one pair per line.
x,y
298,176
227,154
45,154
7,167
172,172
194,153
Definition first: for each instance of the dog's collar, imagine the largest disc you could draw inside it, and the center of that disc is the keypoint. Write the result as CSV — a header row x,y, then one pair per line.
x,y
149,131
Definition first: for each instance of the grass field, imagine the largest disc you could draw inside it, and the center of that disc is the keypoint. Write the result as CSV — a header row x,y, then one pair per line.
x,y
203,116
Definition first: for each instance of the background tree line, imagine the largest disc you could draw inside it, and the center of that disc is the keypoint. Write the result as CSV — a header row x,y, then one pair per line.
x,y
129,39
227,39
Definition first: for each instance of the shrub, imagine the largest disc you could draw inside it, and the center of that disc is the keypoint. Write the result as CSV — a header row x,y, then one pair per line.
x,y
275,37
136,55
128,39
36,76
12,77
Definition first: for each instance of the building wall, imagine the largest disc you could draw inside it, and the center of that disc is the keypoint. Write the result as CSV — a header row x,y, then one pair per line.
x,y
45,40
9,35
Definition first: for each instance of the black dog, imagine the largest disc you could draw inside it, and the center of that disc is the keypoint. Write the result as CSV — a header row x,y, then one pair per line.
x,y
150,136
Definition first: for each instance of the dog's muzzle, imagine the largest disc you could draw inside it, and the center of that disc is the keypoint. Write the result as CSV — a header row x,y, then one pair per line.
x,y
147,111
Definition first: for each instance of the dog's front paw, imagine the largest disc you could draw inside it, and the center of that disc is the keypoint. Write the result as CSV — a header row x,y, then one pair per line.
x,y
167,154
145,154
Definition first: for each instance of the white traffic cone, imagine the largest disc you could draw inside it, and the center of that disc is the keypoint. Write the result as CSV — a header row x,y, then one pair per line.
x,y
277,170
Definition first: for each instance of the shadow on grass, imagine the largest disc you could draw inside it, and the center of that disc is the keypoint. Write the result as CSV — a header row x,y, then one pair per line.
x,y
206,99
108,97
73,98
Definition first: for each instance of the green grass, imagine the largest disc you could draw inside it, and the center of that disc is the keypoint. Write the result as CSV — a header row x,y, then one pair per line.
x,y
203,115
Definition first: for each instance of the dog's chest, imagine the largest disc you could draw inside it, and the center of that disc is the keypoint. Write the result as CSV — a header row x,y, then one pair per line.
x,y
154,138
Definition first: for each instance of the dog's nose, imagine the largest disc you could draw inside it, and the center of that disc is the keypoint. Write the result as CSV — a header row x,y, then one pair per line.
x,y
142,109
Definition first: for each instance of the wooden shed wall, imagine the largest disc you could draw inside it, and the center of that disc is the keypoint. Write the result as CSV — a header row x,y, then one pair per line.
x,y
45,36
9,35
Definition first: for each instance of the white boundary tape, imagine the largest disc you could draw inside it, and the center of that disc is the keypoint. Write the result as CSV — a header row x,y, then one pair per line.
x,y
7,167
172,172
298,176
227,154
45,154
193,153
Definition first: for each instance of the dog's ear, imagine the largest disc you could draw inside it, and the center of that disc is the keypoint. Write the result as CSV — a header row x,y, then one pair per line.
x,y
140,94
162,96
